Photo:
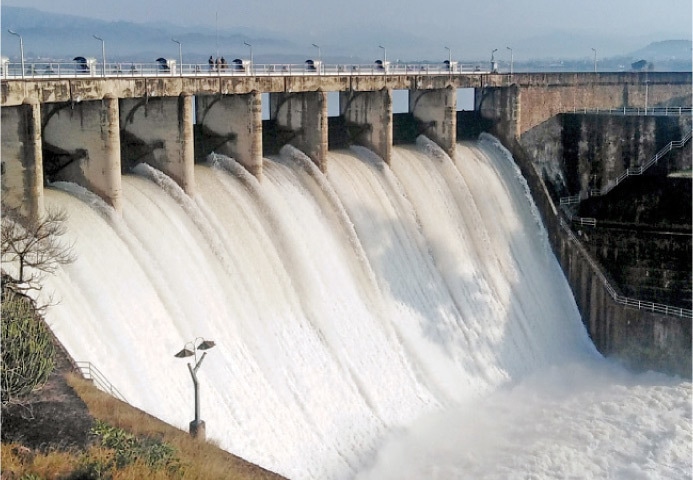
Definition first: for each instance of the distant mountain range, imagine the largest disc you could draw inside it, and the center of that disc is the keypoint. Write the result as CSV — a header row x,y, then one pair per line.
x,y
60,36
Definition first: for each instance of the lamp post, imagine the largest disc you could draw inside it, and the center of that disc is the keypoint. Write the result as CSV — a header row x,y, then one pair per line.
x,y
384,55
511,60
595,59
180,55
197,426
319,57
103,54
252,64
21,48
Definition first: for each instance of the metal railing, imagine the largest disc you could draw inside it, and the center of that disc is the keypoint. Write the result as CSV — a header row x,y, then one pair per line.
x,y
90,372
674,111
45,70
616,296
611,184
596,192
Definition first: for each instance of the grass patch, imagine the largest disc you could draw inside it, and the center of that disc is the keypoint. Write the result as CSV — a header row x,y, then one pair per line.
x,y
126,443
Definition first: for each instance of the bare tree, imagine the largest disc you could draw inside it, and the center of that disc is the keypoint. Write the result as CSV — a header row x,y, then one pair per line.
x,y
33,247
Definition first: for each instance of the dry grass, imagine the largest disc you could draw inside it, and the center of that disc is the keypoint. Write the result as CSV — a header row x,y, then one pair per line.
x,y
203,460
200,460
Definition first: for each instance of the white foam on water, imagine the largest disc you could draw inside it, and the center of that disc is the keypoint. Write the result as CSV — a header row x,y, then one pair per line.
x,y
402,321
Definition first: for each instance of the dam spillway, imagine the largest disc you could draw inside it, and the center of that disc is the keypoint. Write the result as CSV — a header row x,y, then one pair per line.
x,y
346,306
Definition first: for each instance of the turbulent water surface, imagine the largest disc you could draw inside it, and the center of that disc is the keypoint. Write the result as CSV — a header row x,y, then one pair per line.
x,y
374,322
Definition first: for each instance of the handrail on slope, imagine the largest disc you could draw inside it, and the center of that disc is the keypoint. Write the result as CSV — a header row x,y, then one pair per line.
x,y
618,298
90,372
611,184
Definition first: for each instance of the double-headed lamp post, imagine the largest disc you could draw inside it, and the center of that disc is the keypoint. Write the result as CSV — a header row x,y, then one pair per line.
x,y
21,48
511,60
197,426
103,54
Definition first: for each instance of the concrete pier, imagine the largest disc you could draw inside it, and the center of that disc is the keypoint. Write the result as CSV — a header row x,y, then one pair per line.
x,y
159,131
436,114
22,159
368,116
303,118
231,125
81,144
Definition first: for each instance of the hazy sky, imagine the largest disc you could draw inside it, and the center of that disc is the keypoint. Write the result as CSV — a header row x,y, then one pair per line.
x,y
460,24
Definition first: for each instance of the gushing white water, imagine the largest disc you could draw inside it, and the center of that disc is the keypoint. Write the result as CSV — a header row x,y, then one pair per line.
x,y
367,322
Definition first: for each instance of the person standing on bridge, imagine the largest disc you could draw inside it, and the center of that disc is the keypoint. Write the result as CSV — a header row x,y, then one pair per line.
x,y
211,63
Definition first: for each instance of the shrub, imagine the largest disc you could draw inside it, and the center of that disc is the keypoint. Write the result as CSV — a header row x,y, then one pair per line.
x,y
27,348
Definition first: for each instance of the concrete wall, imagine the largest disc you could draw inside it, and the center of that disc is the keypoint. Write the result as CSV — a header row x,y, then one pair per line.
x,y
649,265
543,97
540,97
22,160
641,339
81,144
577,152
231,125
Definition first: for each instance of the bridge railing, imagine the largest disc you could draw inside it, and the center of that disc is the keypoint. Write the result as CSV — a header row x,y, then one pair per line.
x,y
90,372
42,70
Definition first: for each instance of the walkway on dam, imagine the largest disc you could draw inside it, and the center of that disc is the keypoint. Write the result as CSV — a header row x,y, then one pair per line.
x,y
238,68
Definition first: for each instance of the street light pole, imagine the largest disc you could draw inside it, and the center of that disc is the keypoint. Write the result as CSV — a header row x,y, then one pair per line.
x,y
197,426
252,64
319,57
511,60
449,61
180,55
103,54
384,55
595,59
21,48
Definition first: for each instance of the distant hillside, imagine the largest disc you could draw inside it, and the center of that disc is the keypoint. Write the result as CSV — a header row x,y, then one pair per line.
x,y
666,50
667,55
48,35
62,37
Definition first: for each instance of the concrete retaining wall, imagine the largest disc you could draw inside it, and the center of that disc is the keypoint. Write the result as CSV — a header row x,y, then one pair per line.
x,y
640,339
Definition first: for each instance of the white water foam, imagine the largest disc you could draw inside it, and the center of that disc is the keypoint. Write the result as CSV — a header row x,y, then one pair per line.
x,y
375,322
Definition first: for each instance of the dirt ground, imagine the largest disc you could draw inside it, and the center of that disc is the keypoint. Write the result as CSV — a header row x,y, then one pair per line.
x,y
54,417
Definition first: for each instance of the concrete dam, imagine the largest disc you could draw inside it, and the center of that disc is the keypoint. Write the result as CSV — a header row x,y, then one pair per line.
x,y
355,293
